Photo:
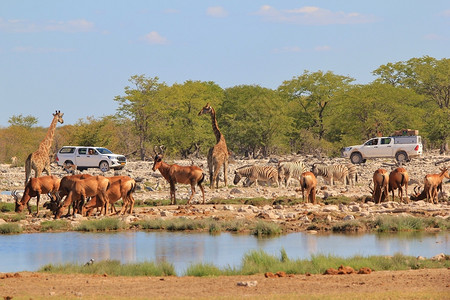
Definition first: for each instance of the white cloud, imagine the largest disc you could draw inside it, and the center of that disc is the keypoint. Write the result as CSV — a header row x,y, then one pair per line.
x,y
312,15
287,49
445,13
24,26
322,48
434,37
216,12
154,38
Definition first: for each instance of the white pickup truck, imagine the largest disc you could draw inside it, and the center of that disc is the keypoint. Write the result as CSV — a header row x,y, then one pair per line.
x,y
403,148
90,157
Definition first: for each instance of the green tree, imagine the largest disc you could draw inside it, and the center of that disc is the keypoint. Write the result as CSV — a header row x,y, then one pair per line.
x,y
429,77
141,104
313,92
372,110
254,120
185,132
23,121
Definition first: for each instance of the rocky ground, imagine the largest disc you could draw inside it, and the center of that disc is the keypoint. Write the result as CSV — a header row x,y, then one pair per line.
x,y
411,284
151,186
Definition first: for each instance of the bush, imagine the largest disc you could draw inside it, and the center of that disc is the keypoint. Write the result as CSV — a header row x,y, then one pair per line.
x,y
55,225
10,228
7,207
266,228
101,225
113,268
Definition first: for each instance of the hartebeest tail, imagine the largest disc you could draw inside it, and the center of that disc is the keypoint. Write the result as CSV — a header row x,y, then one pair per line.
x,y
380,182
174,174
308,183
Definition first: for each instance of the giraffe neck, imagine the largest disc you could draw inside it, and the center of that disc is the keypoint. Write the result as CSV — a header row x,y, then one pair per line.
x,y
215,126
46,143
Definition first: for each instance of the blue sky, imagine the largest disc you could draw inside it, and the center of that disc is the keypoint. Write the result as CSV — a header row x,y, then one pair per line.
x,y
76,56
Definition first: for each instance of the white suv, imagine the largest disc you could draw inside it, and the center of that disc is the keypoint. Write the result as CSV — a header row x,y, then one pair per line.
x,y
90,157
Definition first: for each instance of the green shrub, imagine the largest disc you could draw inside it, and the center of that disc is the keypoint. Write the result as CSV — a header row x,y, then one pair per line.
x,y
7,207
101,225
202,270
398,223
55,225
347,226
113,268
266,228
10,228
15,217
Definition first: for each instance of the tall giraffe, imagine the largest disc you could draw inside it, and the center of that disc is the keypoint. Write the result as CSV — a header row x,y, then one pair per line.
x,y
39,160
217,155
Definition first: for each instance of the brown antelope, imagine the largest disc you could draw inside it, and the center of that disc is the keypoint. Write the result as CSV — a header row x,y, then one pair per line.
x,y
66,186
34,188
418,195
121,187
88,187
308,182
174,174
380,182
432,182
397,179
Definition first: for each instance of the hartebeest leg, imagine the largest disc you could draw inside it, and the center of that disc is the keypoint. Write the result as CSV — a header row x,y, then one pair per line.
x,y
172,193
203,192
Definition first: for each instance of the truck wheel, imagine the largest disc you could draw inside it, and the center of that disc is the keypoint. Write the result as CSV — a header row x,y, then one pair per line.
x,y
104,166
68,163
401,156
356,158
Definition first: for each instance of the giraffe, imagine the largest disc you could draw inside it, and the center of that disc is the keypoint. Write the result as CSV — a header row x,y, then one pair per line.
x,y
217,155
39,160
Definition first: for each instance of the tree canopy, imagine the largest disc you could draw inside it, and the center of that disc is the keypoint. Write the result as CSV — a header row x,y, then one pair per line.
x,y
315,111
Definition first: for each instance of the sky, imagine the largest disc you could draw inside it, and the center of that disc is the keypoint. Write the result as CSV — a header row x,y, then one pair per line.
x,y
76,56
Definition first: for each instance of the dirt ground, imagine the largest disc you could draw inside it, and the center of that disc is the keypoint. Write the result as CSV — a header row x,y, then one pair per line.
x,y
412,284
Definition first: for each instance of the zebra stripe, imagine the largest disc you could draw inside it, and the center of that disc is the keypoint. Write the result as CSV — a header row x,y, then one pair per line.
x,y
288,170
254,173
352,174
331,173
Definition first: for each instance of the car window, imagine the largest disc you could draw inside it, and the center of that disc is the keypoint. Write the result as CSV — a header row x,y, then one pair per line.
x,y
92,151
67,150
385,141
371,142
104,151
82,151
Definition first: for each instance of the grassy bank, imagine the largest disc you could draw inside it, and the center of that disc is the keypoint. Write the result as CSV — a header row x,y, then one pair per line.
x,y
254,262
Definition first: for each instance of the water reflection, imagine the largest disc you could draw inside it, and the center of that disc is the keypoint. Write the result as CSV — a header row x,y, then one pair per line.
x,y
31,251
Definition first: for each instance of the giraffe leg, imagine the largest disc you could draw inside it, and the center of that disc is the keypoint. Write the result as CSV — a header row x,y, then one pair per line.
x,y
215,178
225,171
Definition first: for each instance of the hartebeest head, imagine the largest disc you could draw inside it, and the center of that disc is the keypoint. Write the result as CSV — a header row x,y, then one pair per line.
x,y
158,157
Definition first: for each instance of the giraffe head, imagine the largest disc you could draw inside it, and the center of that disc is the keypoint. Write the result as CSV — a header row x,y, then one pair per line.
x,y
59,115
205,110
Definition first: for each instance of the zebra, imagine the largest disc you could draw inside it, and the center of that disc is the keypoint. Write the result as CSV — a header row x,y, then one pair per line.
x,y
331,173
352,174
288,170
255,173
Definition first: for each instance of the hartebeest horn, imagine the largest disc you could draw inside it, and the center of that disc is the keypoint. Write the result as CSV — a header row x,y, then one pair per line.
x,y
370,187
14,194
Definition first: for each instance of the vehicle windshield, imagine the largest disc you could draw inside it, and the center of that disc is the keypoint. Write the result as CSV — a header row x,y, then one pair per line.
x,y
104,151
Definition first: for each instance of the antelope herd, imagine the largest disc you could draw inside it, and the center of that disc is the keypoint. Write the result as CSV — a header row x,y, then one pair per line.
x,y
85,192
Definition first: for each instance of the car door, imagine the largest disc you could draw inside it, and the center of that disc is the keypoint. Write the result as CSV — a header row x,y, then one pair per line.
x,y
371,147
385,148
87,157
